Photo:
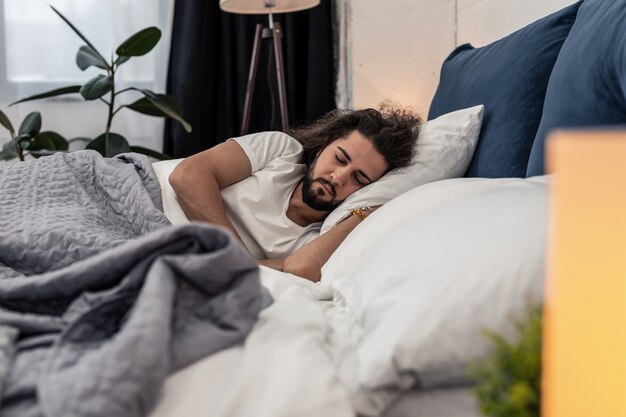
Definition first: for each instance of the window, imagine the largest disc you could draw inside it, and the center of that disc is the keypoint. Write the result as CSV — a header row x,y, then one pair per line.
x,y
38,49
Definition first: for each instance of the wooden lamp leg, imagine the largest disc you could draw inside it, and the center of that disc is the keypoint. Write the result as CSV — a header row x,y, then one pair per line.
x,y
274,33
254,64
280,76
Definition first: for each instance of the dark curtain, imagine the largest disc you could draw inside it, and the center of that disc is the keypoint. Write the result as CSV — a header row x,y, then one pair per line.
x,y
209,64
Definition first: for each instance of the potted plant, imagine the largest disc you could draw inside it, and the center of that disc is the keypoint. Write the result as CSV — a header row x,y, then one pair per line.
x,y
509,381
101,87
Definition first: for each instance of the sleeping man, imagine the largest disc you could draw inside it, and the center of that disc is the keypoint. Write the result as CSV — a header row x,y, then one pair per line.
x,y
272,190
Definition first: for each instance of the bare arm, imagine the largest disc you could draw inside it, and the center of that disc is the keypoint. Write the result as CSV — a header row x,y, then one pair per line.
x,y
197,181
272,263
307,261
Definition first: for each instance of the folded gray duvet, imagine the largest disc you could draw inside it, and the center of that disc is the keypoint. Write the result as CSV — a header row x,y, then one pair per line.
x,y
100,298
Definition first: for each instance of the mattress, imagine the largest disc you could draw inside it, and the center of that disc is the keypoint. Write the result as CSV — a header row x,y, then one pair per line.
x,y
445,402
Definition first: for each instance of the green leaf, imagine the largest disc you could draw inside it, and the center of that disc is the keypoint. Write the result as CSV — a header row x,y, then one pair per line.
x,y
77,32
87,57
121,59
49,140
150,152
96,87
31,124
145,106
165,106
8,151
117,144
52,93
509,379
47,143
23,140
4,120
40,142
140,43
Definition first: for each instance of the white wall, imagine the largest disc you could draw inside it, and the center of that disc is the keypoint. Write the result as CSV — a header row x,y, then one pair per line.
x,y
398,46
483,21
395,45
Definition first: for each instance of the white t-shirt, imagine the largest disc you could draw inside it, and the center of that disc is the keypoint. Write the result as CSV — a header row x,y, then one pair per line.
x,y
257,205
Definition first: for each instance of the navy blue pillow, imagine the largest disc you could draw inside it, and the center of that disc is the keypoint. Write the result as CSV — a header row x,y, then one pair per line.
x,y
587,85
510,78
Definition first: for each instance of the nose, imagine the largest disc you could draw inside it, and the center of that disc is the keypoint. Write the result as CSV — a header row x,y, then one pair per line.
x,y
338,176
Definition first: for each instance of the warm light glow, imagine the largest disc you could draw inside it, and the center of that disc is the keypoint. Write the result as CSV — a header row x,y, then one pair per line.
x,y
265,6
584,359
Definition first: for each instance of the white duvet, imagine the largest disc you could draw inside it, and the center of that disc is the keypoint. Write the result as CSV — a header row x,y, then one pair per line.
x,y
284,368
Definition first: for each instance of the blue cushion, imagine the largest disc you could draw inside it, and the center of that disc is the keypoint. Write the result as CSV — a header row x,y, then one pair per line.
x,y
587,86
510,78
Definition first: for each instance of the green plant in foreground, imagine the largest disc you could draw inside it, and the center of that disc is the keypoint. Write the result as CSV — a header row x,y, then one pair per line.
x,y
509,381
103,85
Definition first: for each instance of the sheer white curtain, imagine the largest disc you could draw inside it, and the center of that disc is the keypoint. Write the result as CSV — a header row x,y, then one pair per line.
x,y
343,93
38,54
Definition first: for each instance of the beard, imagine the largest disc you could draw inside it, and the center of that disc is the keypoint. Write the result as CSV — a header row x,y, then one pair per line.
x,y
315,198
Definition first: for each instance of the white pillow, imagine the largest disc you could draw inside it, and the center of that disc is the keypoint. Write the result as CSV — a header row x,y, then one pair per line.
x,y
423,275
445,147
171,208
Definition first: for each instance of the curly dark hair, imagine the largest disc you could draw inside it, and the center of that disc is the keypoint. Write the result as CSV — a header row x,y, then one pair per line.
x,y
391,130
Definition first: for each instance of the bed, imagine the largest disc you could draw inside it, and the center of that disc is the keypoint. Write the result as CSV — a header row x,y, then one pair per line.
x,y
112,310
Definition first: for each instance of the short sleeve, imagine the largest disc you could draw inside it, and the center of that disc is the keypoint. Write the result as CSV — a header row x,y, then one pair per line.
x,y
264,147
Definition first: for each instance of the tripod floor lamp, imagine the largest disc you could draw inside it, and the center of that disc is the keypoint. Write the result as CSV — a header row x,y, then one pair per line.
x,y
273,33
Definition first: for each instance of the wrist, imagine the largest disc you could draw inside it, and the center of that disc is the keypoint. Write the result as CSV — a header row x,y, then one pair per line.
x,y
362,212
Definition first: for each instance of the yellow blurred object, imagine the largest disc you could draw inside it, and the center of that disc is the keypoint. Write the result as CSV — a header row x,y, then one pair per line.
x,y
584,351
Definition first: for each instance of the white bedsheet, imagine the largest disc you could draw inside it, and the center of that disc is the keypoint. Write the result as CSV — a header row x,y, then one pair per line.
x,y
284,368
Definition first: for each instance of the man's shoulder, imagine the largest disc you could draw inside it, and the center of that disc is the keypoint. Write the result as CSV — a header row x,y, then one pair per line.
x,y
277,138
264,147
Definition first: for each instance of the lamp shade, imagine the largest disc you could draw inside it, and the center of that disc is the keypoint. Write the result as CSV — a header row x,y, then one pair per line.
x,y
266,6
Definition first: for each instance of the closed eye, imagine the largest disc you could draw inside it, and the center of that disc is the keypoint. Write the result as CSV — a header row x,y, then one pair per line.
x,y
341,161
359,181
359,176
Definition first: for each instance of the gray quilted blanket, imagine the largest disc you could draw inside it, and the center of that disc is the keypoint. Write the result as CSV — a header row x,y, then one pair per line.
x,y
100,298
69,206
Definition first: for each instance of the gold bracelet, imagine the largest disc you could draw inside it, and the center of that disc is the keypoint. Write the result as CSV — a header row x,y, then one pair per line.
x,y
359,212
